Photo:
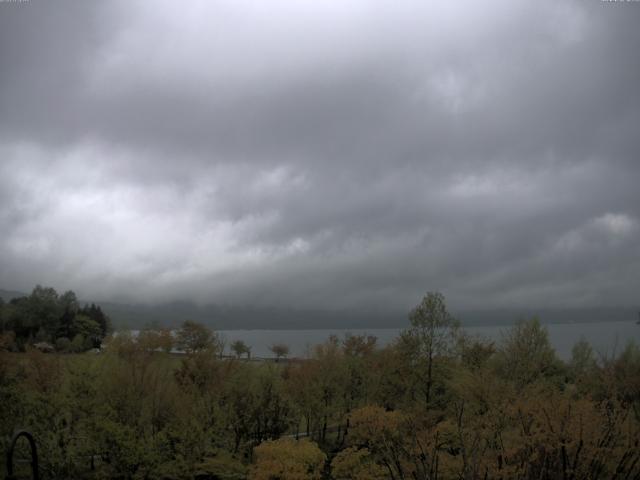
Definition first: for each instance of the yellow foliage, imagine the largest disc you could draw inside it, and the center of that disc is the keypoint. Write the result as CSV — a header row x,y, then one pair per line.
x,y
375,426
356,464
287,459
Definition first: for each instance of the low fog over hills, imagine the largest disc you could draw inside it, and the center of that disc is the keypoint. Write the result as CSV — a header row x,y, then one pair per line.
x,y
135,316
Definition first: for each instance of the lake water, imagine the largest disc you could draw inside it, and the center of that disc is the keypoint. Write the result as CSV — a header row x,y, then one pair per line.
x,y
605,337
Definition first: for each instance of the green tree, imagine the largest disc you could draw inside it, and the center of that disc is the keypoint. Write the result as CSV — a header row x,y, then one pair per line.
x,y
45,308
255,405
88,328
432,333
29,314
358,351
69,301
475,352
78,344
45,316
280,350
194,337
95,313
526,354
330,383
583,365
240,348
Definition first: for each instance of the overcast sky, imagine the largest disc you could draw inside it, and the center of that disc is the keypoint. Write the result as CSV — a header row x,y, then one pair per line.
x,y
324,154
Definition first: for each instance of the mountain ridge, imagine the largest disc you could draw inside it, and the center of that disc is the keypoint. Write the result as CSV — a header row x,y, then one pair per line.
x,y
239,317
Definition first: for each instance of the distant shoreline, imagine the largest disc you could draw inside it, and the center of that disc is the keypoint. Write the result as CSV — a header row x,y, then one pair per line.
x,y
361,328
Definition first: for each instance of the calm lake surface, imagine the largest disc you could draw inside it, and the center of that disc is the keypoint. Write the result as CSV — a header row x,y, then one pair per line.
x,y
605,337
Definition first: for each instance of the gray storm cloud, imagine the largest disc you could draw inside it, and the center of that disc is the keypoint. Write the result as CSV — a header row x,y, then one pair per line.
x,y
322,154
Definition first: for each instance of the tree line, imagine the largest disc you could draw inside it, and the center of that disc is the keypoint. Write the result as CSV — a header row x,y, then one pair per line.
x,y
434,404
51,321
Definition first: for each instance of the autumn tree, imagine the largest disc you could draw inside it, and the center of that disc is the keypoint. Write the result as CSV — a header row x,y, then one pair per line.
x,y
354,463
155,338
582,369
329,382
474,420
165,340
552,435
358,345
305,391
626,373
287,459
383,434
